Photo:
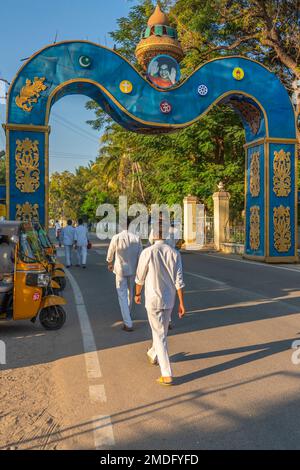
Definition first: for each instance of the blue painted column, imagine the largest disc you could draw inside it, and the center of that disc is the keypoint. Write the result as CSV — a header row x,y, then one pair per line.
x,y
27,170
256,210
271,201
282,200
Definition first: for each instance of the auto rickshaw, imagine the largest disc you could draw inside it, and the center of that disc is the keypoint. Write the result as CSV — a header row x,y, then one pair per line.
x,y
57,269
26,292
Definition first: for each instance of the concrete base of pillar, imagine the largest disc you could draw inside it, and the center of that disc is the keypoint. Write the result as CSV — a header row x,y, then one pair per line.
x,y
196,247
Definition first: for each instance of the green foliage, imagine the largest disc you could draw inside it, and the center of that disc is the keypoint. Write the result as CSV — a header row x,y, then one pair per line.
x,y
92,200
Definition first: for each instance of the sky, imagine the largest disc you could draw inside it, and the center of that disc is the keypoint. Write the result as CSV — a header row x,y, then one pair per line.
x,y
27,26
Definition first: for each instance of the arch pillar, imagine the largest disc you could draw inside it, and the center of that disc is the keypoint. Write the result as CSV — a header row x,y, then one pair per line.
x,y
27,172
271,200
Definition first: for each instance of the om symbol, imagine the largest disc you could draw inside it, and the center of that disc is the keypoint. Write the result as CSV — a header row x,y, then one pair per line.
x,y
165,107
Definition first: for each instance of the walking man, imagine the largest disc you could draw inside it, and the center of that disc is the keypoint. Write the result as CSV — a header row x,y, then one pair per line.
x,y
81,243
160,270
68,238
125,249
57,232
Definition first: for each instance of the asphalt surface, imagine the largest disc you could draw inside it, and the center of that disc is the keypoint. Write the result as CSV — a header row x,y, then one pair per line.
x,y
90,386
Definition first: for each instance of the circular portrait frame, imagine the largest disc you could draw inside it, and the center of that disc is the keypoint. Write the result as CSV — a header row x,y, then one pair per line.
x,y
163,71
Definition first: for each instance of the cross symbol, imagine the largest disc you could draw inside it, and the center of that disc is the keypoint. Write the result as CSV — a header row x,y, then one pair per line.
x,y
126,86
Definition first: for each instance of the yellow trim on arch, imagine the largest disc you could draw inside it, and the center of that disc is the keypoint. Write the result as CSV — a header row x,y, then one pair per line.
x,y
150,123
126,60
26,128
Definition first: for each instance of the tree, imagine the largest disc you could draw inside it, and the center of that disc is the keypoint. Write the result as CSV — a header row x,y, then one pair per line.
x,y
268,30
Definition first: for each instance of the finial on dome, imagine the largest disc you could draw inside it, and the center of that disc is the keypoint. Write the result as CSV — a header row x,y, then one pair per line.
x,y
158,38
158,17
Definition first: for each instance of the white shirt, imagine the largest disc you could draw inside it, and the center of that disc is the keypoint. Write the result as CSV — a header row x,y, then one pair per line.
x,y
57,227
126,247
160,269
81,235
68,234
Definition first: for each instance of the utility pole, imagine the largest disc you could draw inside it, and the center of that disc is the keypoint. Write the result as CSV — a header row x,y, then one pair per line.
x,y
3,92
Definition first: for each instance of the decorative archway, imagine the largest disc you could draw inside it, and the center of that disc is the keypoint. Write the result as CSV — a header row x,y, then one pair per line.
x,y
81,67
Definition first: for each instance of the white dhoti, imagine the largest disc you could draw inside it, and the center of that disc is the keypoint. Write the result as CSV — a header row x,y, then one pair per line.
x,y
125,288
68,255
81,255
159,321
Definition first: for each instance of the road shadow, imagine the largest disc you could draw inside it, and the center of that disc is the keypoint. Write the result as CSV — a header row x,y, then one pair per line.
x,y
273,427
215,307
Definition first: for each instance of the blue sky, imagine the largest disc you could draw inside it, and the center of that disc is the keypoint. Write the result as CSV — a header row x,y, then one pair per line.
x,y
28,25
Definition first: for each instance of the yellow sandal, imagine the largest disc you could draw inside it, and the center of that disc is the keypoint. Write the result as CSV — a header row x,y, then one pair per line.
x,y
162,381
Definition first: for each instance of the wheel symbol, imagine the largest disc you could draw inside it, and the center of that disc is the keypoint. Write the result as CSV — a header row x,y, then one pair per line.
x,y
202,90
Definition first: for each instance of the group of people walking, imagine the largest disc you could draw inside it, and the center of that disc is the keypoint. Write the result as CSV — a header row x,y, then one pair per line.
x,y
158,269
73,237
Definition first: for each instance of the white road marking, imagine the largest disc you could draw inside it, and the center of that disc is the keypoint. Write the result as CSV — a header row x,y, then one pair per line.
x,y
103,431
101,252
30,336
262,265
210,279
97,393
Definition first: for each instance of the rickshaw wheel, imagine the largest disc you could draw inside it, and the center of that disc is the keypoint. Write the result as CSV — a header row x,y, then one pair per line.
x,y
61,281
53,317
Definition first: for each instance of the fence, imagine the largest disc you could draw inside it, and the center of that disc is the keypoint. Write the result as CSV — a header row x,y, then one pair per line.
x,y
235,233
206,231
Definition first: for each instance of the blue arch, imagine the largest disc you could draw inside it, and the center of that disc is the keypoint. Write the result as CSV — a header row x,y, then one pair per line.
x,y
140,110
259,98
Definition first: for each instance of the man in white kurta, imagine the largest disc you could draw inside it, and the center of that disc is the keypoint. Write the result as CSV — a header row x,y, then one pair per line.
x,y
125,249
68,238
81,240
160,270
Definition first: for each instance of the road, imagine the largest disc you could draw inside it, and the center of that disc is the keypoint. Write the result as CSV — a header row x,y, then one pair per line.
x,y
90,386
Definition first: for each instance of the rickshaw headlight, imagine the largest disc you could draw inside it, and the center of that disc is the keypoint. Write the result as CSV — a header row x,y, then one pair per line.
x,y
38,280
43,280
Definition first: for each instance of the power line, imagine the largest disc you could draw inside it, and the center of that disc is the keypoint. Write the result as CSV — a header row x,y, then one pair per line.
x,y
63,118
73,158
71,126
79,133
71,154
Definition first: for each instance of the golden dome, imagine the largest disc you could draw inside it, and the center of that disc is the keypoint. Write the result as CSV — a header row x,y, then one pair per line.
x,y
158,17
158,38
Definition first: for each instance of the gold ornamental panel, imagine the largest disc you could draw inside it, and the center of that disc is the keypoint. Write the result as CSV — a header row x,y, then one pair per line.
x,y
282,229
282,173
27,211
255,175
254,228
27,165
30,93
